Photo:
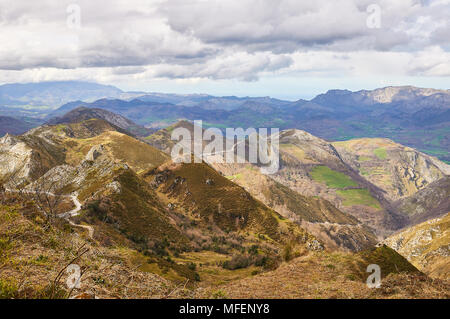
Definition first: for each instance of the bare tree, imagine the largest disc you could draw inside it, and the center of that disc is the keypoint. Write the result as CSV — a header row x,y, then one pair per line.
x,y
45,193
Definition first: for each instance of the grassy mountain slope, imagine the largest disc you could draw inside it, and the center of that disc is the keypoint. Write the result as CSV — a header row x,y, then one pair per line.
x,y
426,246
314,167
32,254
429,202
321,218
201,191
332,226
344,275
400,171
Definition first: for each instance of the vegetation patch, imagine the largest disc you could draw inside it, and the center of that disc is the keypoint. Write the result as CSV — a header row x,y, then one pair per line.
x,y
358,197
388,259
332,178
380,153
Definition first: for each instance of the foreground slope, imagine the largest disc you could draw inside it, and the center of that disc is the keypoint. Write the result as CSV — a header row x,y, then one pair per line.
x,y
33,253
336,275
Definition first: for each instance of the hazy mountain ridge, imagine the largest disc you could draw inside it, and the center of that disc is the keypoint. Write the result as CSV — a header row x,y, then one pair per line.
x,y
412,116
415,117
53,94
13,126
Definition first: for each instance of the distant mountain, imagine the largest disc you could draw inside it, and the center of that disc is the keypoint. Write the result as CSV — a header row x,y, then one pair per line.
x,y
13,126
209,102
386,95
54,94
415,117
82,113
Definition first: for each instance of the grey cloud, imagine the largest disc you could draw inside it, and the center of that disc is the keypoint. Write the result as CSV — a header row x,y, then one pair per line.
x,y
213,39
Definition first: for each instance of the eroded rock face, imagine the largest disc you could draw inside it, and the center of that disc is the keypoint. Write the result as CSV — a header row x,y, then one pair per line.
x,y
95,152
15,157
426,246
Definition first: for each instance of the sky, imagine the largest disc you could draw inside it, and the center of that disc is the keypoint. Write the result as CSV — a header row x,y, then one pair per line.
x,y
286,49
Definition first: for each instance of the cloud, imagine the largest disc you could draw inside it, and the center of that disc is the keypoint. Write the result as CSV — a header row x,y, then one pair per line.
x,y
233,39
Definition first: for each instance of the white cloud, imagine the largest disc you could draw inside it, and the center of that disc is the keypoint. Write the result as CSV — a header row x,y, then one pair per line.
x,y
233,39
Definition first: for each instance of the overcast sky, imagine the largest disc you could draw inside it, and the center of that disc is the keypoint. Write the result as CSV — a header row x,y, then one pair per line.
x,y
288,49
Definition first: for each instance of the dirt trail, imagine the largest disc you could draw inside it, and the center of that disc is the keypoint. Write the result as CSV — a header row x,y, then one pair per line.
x,y
72,213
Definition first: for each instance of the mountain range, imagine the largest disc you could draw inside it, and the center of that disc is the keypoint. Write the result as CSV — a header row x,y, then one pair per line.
x,y
100,187
412,116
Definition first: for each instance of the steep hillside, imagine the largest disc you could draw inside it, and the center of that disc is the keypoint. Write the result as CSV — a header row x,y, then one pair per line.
x,y
344,275
30,155
333,227
337,229
199,190
33,253
313,167
27,157
123,148
426,246
429,202
400,171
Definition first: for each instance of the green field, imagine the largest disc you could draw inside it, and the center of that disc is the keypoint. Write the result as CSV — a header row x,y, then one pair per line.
x,y
332,178
358,197
380,153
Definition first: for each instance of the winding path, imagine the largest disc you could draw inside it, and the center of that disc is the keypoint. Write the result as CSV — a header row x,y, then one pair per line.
x,y
74,212
71,213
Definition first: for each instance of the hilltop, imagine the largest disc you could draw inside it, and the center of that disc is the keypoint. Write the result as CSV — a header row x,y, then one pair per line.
x,y
82,114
